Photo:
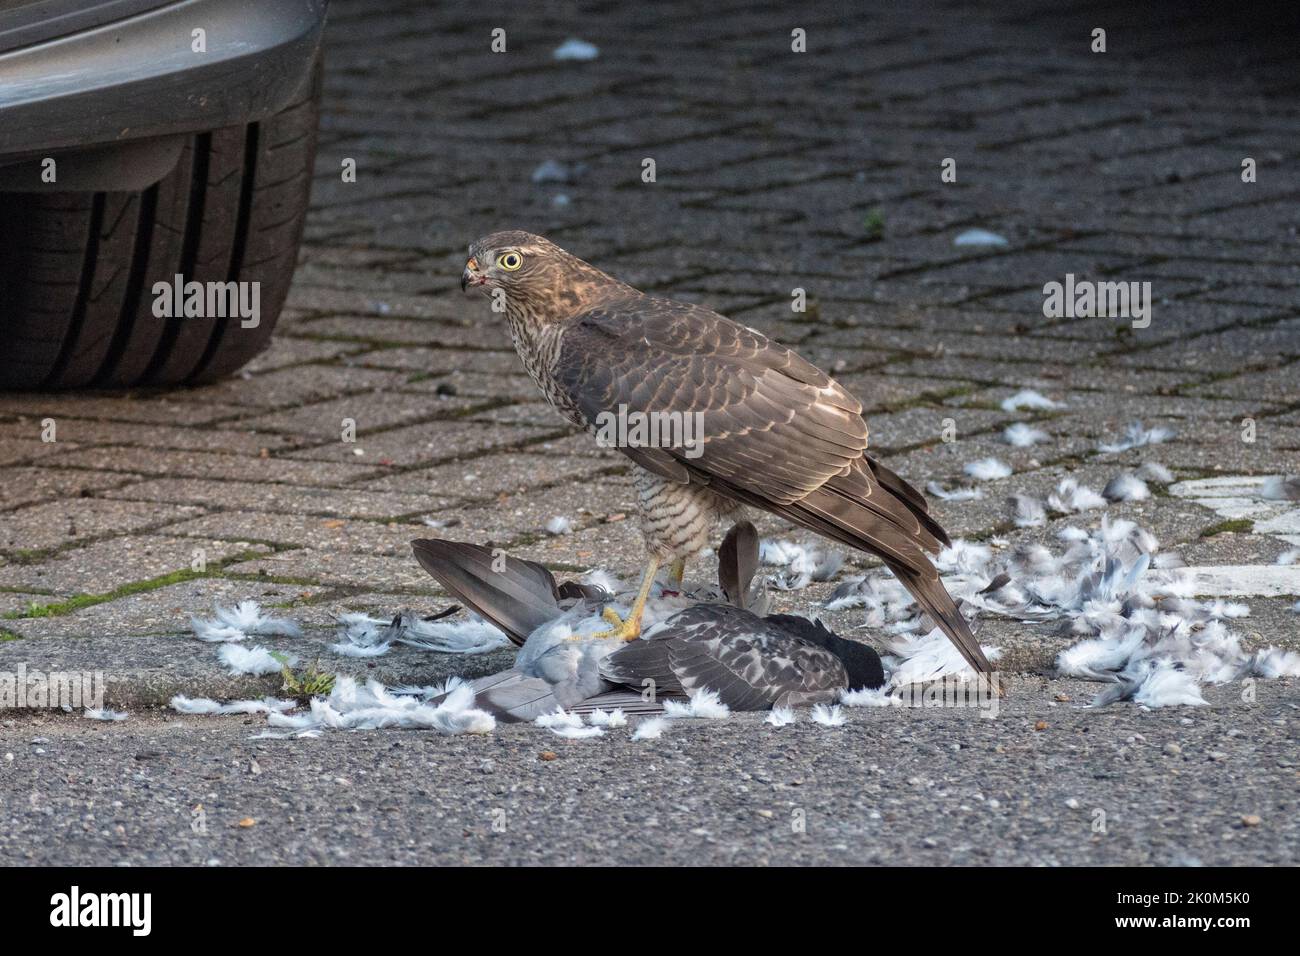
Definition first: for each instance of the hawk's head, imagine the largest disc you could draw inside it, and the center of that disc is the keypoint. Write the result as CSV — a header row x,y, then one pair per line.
x,y
513,260
534,272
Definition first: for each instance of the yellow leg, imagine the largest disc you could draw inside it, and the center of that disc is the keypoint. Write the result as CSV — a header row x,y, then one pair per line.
x,y
630,629
677,571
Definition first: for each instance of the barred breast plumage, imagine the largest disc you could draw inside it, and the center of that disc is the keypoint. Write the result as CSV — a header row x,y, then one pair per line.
x,y
678,519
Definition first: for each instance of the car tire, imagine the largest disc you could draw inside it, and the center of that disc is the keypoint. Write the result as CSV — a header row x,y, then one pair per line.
x,y
77,270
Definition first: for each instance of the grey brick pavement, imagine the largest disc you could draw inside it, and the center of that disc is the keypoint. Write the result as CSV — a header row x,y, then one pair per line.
x,y
775,170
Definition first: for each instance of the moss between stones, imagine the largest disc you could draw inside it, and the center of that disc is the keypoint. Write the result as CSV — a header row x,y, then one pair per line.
x,y
79,601
1235,526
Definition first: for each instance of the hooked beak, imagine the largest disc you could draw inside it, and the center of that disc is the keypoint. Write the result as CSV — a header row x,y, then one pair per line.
x,y
471,275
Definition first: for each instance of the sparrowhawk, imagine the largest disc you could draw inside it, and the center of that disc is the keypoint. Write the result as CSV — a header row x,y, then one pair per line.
x,y
777,433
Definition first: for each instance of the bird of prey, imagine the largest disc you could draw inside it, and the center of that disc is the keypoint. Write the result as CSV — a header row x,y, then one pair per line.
x,y
778,433
751,662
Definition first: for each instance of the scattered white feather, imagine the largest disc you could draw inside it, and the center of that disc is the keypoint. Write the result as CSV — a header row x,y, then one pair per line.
x,y
559,525
956,494
1290,556
577,733
881,594
1135,436
203,705
987,469
1028,512
1028,398
1022,435
649,728
831,716
1100,658
573,49
361,635
603,580
559,718
1156,473
871,697
779,717
1138,623
964,557
927,658
554,171
1281,488
251,660
703,704
213,631
1070,497
346,649
452,637
1274,662
1126,487
802,564
100,713
1166,686
285,735
979,237
1221,609
244,620
351,706
613,718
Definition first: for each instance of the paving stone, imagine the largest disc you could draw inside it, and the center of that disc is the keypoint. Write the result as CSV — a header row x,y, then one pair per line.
x,y
163,611
196,464
293,386
24,486
285,351
15,450
59,524
17,602
106,566
369,413
429,443
159,410
92,432
286,499
821,182
339,569
299,530
493,475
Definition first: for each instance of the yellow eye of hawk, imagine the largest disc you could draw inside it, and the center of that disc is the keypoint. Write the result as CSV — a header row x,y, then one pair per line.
x,y
510,261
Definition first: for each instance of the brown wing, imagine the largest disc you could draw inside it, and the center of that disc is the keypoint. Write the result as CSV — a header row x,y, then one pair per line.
x,y
748,661
773,422
777,432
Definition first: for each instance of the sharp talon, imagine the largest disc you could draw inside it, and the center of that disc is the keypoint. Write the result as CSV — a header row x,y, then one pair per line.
x,y
628,630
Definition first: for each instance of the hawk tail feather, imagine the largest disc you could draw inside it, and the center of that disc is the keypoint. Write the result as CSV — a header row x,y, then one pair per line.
x,y
935,600
914,500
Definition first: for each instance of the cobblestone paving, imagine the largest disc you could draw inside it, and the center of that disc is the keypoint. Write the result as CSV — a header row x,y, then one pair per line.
x,y
774,170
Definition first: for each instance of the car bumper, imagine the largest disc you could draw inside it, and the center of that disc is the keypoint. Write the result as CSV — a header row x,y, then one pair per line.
x,y
141,78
